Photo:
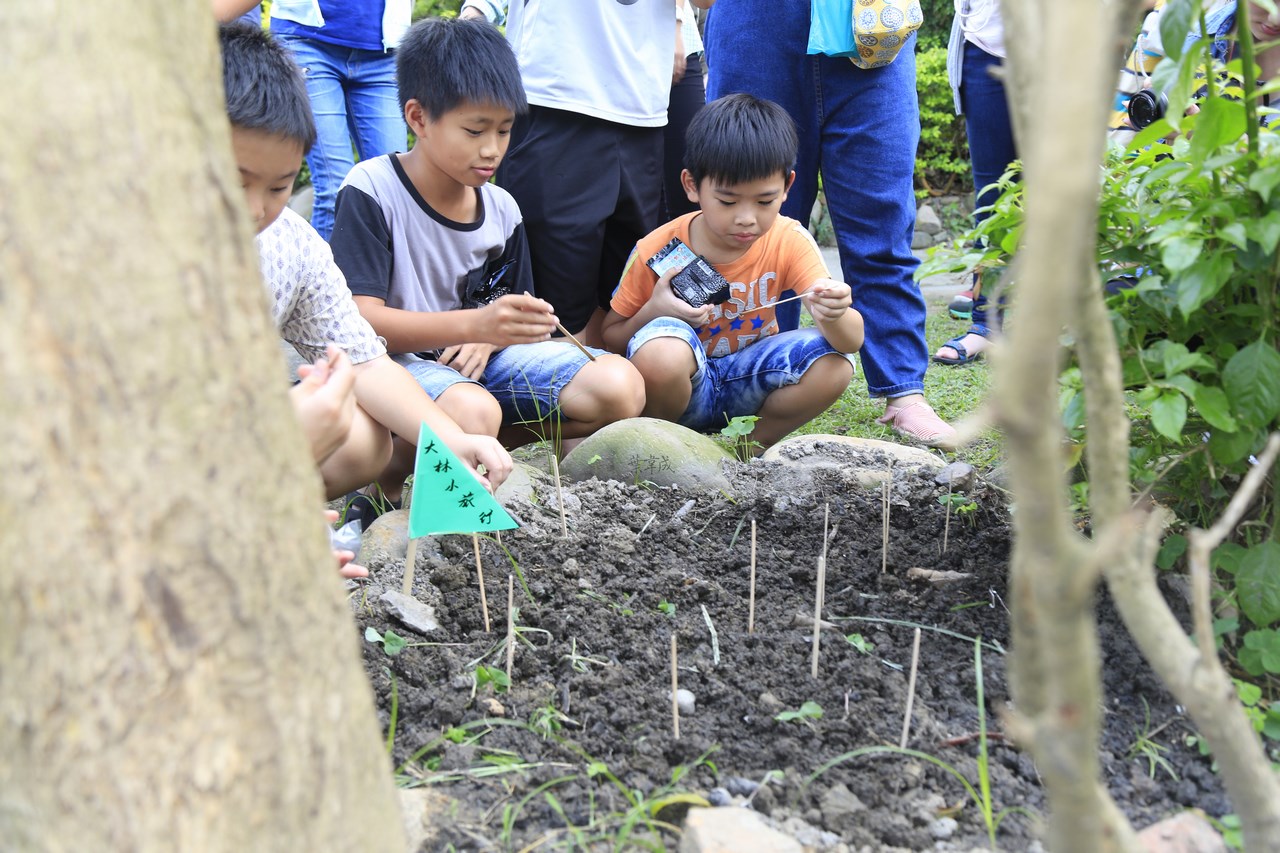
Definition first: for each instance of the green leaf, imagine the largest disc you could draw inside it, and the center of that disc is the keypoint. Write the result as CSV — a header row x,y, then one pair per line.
x,y
1264,181
1265,231
1230,447
1258,584
1227,556
1235,233
1248,693
860,643
393,644
1181,252
1171,549
371,635
1175,23
1201,282
1261,652
1219,122
1252,382
1212,404
1169,414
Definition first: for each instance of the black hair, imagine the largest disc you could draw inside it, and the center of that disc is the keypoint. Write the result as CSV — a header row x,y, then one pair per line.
x,y
740,138
444,62
264,87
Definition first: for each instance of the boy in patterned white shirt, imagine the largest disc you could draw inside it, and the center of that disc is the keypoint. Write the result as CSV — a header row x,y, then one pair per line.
x,y
271,129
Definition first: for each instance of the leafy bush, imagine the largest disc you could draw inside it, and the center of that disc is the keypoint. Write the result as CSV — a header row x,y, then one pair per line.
x,y
936,28
942,161
1195,225
438,8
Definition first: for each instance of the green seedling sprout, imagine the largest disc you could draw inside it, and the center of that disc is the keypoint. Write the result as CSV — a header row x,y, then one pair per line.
x,y
738,432
1145,746
808,711
860,643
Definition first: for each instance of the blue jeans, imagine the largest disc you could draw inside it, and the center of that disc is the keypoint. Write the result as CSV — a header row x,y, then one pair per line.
x,y
525,379
355,101
859,129
737,384
990,132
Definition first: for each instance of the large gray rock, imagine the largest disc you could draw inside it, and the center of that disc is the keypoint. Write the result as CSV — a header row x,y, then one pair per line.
x,y
927,220
517,490
866,460
648,449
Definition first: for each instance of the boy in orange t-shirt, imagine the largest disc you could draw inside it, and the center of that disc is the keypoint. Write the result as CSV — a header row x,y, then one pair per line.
x,y
703,366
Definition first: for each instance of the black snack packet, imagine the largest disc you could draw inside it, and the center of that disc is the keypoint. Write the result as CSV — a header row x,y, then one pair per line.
x,y
697,283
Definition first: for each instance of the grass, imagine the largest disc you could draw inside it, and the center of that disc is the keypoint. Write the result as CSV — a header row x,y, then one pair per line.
x,y
954,392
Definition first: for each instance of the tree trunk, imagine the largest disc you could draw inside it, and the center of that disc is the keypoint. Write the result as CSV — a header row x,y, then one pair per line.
x,y
178,668
1059,74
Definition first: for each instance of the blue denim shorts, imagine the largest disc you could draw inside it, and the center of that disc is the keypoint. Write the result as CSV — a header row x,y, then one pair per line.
x,y
736,384
525,379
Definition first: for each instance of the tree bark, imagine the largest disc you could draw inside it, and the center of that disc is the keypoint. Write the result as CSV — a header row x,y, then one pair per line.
x,y
178,669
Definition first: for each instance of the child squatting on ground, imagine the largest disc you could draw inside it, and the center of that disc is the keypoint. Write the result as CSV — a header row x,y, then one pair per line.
x,y
703,366
437,258
360,410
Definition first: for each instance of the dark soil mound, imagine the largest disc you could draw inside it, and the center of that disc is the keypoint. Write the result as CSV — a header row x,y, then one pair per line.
x,y
582,744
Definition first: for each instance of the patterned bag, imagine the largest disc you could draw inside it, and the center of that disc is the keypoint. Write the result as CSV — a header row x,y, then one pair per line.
x,y
880,27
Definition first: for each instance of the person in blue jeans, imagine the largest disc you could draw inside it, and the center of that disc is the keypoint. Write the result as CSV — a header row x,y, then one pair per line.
x,y
859,129
347,51
977,47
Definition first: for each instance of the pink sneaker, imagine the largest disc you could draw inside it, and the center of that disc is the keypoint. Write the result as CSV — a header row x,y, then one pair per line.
x,y
917,420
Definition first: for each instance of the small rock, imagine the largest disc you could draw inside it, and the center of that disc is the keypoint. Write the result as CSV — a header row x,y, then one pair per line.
x,y
719,797
410,611
740,787
927,220
492,707
1187,832
769,703
386,540
732,831
686,701
571,568
958,474
943,828
839,807
921,240
684,510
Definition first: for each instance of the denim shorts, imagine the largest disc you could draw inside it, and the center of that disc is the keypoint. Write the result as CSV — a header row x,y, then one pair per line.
x,y
525,379
737,384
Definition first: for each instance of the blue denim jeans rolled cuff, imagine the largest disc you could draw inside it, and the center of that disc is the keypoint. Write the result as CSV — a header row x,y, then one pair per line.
x,y
737,384
355,102
859,127
527,380
990,132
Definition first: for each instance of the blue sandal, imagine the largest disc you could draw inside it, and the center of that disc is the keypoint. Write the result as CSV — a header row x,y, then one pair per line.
x,y
955,344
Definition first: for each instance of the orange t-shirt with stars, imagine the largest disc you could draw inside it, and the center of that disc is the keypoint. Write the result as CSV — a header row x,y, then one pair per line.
x,y
785,261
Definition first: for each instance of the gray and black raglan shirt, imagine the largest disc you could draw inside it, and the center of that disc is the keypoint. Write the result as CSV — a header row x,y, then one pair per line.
x,y
392,245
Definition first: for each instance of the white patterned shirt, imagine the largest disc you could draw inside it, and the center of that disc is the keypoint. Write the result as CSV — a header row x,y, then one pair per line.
x,y
310,302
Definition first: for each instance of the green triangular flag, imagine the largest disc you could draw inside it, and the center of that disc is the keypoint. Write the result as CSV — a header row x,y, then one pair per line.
x,y
447,498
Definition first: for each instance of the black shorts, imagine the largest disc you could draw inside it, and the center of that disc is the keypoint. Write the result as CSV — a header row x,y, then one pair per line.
x,y
588,189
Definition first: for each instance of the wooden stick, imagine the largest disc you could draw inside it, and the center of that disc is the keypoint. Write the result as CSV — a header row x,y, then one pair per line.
x,y
411,552
946,527
771,304
484,602
884,520
751,600
511,623
911,690
817,614
555,470
675,685
588,353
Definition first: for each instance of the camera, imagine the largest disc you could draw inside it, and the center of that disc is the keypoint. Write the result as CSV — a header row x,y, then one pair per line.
x,y
1146,108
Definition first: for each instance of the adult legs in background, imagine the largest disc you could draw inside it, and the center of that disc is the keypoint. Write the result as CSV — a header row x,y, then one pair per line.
x,y
859,128
991,150
354,100
687,97
588,190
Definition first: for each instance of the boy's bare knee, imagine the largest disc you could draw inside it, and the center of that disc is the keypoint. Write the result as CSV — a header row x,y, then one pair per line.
x,y
608,389
832,372
473,408
664,359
